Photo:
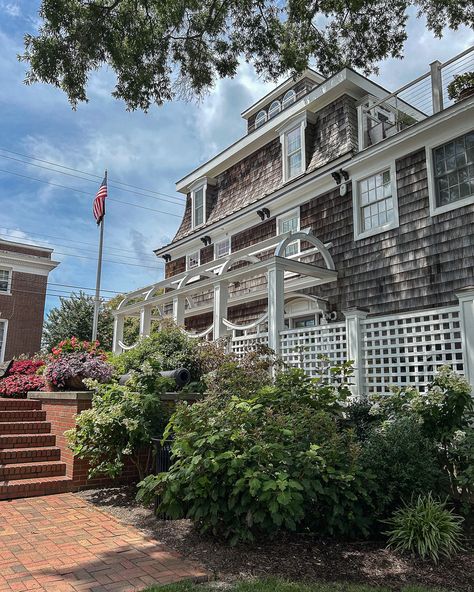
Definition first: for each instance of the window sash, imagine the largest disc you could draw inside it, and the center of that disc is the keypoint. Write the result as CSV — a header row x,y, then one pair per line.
x,y
193,260
294,152
290,224
198,206
453,164
222,248
4,280
376,201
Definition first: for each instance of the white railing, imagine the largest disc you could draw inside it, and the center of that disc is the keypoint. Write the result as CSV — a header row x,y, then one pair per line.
x,y
246,343
303,348
407,349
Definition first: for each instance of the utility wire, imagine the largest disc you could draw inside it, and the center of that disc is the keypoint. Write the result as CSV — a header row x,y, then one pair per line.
x,y
92,174
88,194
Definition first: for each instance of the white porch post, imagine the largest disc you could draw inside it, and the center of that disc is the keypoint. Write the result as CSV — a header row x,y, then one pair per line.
x,y
145,321
118,333
221,295
178,310
466,314
276,304
355,351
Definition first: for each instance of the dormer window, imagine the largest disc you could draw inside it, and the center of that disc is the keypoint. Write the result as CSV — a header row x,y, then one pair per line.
x,y
289,98
261,118
275,108
292,138
198,206
201,200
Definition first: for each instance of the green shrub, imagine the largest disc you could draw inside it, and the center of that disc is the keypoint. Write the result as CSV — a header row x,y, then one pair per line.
x,y
250,466
403,462
119,425
460,462
426,528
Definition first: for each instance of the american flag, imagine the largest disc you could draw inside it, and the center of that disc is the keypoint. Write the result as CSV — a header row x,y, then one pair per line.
x,y
99,201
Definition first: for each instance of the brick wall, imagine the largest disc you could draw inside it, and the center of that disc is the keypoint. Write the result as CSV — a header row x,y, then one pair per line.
x,y
24,309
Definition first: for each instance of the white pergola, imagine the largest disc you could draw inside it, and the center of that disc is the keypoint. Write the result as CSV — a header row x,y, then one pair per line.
x,y
285,276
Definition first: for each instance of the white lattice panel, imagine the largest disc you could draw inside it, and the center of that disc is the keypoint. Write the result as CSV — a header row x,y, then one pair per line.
x,y
245,343
402,350
301,348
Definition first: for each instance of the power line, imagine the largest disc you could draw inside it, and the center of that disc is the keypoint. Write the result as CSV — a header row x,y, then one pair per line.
x,y
88,194
84,288
161,199
92,174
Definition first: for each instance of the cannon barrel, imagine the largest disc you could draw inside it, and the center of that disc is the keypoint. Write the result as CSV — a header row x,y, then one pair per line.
x,y
181,376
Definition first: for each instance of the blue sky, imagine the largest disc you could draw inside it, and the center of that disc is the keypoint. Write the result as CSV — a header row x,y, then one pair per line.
x,y
149,150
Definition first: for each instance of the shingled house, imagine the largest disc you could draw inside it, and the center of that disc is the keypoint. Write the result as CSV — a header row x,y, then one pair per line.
x,y
341,223
24,271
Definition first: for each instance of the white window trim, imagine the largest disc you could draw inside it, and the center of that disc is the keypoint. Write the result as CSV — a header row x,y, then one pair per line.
x,y
4,344
289,98
295,213
188,257
221,240
356,208
273,112
435,210
256,126
10,277
295,123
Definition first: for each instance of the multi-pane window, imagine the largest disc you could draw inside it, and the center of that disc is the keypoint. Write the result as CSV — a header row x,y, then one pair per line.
x,y
376,201
294,153
4,280
290,223
193,260
198,206
289,98
222,248
2,339
275,108
261,118
454,170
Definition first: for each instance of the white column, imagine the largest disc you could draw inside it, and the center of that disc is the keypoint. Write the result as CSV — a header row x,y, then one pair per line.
x,y
178,310
145,321
221,294
276,305
361,126
466,313
436,86
118,333
355,351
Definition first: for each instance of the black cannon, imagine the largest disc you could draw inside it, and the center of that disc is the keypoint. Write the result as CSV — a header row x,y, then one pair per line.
x,y
181,376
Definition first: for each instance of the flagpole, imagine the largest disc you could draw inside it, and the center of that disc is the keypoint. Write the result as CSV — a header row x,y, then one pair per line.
x,y
95,321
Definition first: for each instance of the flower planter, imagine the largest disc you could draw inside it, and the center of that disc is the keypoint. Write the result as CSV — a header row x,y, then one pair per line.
x,y
465,94
75,383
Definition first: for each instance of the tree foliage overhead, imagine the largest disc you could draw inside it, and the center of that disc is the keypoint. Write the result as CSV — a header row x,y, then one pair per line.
x,y
162,49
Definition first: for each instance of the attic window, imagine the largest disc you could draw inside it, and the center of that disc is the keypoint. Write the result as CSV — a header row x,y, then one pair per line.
x,y
275,108
289,98
261,118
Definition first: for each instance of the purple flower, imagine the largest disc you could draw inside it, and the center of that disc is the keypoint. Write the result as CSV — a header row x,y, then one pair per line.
x,y
77,364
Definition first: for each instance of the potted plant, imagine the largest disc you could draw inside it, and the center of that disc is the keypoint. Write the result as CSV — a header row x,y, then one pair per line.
x,y
461,87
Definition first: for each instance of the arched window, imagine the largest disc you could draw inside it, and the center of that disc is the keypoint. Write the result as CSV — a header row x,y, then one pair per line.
x,y
275,108
290,97
261,118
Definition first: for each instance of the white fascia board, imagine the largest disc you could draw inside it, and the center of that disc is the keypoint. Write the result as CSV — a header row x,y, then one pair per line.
x,y
345,82
27,264
280,89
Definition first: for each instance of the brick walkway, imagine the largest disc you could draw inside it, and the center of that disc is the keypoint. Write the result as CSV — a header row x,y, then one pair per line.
x,y
60,543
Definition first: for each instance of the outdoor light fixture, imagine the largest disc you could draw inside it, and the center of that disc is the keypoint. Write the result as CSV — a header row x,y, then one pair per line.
x,y
263,213
206,240
167,257
337,177
345,175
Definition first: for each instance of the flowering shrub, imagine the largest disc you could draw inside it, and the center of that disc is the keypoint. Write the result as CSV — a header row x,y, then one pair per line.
x,y
79,364
22,377
74,345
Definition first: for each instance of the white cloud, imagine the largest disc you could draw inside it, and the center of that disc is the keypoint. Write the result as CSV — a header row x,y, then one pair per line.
x,y
10,8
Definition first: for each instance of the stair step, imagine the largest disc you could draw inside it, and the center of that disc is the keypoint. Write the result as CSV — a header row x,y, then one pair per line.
x,y
15,415
25,427
33,470
18,404
26,440
27,455
32,487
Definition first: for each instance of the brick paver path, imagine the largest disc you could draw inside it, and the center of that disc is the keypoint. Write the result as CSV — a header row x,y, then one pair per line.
x,y
61,543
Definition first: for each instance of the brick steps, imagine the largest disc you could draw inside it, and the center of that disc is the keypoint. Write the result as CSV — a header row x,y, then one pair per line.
x,y
25,427
30,462
26,440
28,455
53,468
23,415
32,487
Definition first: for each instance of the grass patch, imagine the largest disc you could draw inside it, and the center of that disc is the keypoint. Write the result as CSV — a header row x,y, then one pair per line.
x,y
277,585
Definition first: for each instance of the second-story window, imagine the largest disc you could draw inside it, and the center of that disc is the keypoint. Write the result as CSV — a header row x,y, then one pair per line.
x,y
5,280
199,206
376,209
192,260
290,222
222,248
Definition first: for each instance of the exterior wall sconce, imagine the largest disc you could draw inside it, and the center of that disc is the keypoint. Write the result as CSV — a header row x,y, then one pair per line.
x,y
206,240
263,213
341,177
166,257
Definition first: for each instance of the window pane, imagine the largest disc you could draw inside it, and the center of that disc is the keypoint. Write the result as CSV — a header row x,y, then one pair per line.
x,y
198,204
222,248
4,277
294,140
454,180
193,260
294,164
375,200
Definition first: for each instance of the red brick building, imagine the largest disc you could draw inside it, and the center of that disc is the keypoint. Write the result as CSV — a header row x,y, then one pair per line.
x,y
24,271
